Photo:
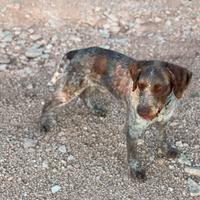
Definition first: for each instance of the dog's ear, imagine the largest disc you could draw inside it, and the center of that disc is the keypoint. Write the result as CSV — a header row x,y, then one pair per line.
x,y
180,78
135,71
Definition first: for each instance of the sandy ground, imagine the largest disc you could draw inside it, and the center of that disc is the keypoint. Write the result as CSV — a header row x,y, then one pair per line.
x,y
84,156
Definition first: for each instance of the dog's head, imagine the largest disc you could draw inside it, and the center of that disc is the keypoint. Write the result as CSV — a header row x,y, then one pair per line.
x,y
154,81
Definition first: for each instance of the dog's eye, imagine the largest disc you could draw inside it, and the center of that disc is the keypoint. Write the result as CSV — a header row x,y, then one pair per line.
x,y
141,86
157,88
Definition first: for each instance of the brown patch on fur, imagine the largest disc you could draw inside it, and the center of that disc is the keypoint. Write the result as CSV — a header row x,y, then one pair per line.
x,y
180,78
121,80
100,65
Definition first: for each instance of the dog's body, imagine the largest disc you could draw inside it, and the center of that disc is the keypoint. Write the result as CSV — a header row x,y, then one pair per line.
x,y
150,90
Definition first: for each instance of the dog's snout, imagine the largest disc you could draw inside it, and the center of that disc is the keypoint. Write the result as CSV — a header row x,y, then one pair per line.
x,y
143,110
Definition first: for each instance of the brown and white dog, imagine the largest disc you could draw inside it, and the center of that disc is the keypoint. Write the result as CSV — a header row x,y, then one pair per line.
x,y
150,90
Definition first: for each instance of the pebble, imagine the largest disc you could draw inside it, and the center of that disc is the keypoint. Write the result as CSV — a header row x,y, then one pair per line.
x,y
4,60
179,144
115,29
70,157
158,19
75,38
3,45
104,33
62,149
55,189
3,67
183,160
194,171
6,36
33,53
45,164
194,188
36,37
28,143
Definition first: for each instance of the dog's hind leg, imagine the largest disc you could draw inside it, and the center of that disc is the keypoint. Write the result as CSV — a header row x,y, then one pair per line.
x,y
63,97
86,97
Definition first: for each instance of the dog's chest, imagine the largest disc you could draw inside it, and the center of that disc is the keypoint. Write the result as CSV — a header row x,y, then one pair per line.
x,y
168,110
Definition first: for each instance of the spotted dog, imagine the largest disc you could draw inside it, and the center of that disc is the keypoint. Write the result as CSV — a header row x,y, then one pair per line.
x,y
150,90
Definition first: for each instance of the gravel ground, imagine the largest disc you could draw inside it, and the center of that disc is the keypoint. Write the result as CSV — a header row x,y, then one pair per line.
x,y
84,156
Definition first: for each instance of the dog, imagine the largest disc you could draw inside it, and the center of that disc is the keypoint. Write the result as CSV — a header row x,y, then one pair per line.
x,y
150,90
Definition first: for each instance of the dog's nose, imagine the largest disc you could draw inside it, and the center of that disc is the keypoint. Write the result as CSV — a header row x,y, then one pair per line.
x,y
144,111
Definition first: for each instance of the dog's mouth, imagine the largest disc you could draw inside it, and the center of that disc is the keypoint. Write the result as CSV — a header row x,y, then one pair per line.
x,y
152,116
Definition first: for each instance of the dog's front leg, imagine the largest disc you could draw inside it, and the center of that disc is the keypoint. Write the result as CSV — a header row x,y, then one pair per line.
x,y
133,132
165,148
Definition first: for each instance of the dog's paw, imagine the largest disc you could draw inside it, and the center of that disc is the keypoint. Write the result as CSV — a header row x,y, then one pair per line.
x,y
172,152
46,123
169,151
139,174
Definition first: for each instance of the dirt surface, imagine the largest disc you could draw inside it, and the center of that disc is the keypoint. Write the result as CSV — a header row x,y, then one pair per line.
x,y
84,156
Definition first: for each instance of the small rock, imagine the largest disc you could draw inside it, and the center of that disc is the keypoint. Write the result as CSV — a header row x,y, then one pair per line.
x,y
45,165
179,144
183,160
75,38
158,19
194,188
54,38
55,188
29,86
140,142
104,33
49,46
36,37
70,157
28,143
3,67
62,149
194,171
45,56
6,36
30,30
168,23
115,29
3,45
33,53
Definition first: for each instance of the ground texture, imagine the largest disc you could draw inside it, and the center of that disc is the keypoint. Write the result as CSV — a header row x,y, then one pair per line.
x,y
84,156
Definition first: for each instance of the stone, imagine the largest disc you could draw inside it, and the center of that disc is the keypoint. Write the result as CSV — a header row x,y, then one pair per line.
x,y
194,188
33,53
179,144
28,143
115,29
104,33
6,36
194,171
3,45
158,19
3,67
4,60
184,161
62,149
36,37
55,189
45,164
70,157
54,38
75,38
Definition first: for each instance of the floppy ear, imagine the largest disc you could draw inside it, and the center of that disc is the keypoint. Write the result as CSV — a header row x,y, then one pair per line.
x,y
135,73
180,78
